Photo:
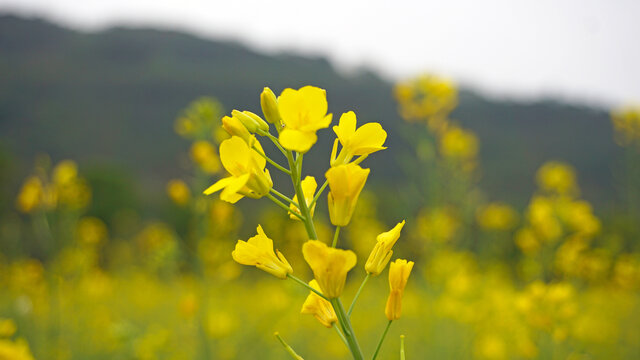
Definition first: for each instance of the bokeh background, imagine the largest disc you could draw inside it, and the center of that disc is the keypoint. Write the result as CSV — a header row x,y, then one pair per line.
x,y
513,154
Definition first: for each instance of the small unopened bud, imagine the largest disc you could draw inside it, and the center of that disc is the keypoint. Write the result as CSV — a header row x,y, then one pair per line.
x,y
269,105
251,121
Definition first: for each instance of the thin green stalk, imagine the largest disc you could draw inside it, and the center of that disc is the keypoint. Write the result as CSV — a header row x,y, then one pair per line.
x,y
340,334
288,348
296,175
384,334
306,285
284,197
315,198
281,168
349,335
285,207
335,236
274,140
402,347
353,302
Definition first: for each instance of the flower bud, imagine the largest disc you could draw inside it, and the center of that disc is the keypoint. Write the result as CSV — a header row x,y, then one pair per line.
x,y
269,105
234,127
251,121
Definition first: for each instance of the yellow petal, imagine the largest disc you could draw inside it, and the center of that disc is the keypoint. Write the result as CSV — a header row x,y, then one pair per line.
x,y
367,139
297,140
231,191
235,155
220,184
346,128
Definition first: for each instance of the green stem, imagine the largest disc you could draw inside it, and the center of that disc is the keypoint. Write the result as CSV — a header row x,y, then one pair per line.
x,y
340,334
349,335
306,285
315,198
285,207
271,161
288,348
335,237
384,334
274,140
353,303
284,197
402,347
296,175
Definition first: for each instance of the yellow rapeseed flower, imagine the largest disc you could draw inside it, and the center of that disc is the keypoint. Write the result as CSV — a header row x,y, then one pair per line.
x,y
399,272
346,182
31,195
329,266
178,192
251,121
65,172
234,127
626,122
459,144
247,168
303,112
497,216
319,307
269,104
203,153
309,186
557,177
381,253
258,252
363,141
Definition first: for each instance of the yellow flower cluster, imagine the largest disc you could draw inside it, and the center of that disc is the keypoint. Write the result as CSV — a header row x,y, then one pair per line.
x,y
626,123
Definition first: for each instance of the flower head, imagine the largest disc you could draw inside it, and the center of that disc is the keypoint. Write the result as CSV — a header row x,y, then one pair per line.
x,y
319,307
303,112
399,272
381,253
363,141
309,186
346,182
258,252
247,168
234,127
329,266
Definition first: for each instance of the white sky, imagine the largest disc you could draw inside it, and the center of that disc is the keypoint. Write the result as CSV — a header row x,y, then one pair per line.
x,y
583,50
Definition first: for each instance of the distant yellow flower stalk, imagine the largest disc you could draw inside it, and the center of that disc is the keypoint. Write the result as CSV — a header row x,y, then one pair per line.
x,y
319,307
258,252
303,112
309,186
346,182
381,253
399,272
363,141
247,168
329,266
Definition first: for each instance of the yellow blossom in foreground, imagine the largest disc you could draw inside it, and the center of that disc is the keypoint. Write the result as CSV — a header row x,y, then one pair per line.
x,y
309,186
178,192
329,266
363,141
258,252
399,272
303,112
203,153
247,168
346,182
319,307
381,253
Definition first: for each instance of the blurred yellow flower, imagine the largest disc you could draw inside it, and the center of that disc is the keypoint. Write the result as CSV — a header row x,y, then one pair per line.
x,y
497,216
329,266
363,141
381,253
425,97
303,113
203,153
346,182
247,168
557,177
626,122
15,350
320,308
458,144
31,195
65,172
7,328
91,231
258,252
178,192
399,272
309,186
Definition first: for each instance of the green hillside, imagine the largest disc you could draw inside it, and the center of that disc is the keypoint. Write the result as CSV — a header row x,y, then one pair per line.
x,y
111,98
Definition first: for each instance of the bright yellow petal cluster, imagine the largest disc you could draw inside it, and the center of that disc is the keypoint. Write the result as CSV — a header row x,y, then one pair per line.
x,y
329,266
399,272
363,141
247,168
309,186
346,182
303,112
381,253
258,252
319,307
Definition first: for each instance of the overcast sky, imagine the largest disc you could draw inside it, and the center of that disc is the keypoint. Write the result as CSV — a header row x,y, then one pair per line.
x,y
582,50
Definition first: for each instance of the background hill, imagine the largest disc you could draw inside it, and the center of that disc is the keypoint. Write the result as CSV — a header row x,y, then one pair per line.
x,y
110,98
